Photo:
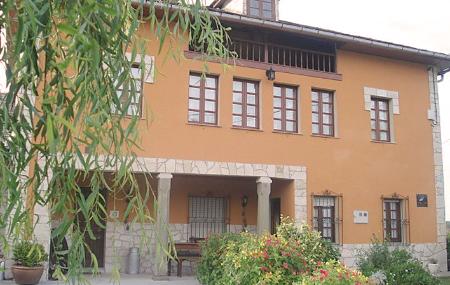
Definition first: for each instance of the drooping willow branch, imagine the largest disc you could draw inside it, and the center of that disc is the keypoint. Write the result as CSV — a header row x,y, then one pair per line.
x,y
62,120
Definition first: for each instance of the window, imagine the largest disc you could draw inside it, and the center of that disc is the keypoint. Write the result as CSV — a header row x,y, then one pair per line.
x,y
324,213
322,113
202,99
132,105
379,119
207,215
285,108
245,104
261,8
392,220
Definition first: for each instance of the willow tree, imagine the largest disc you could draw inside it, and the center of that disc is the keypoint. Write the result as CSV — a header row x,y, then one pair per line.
x,y
62,118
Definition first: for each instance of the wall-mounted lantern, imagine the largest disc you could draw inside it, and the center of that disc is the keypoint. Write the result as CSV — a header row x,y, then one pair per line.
x,y
244,201
270,73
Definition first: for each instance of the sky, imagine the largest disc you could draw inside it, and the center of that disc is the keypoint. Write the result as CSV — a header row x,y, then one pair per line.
x,y
417,23
422,24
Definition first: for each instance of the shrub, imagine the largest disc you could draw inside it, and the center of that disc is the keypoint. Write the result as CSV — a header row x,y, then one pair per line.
x,y
334,273
29,254
248,259
399,266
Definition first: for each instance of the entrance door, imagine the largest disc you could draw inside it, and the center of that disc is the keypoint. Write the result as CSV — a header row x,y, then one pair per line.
x,y
97,245
275,214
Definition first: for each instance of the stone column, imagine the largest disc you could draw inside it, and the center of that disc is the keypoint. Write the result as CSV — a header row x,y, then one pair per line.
x,y
263,190
162,225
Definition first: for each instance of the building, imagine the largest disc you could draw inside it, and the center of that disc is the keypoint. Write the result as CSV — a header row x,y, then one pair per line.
x,y
335,130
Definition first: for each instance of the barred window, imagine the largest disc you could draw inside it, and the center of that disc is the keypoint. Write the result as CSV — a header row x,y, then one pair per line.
x,y
392,220
207,215
324,216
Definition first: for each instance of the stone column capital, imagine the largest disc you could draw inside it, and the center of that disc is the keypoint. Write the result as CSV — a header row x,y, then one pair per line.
x,y
264,179
165,175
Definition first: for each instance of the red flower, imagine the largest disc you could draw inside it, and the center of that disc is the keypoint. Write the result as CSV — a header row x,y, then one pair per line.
x,y
285,265
324,272
263,268
265,255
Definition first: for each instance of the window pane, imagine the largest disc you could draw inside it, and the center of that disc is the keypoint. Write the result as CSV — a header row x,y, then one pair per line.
x,y
374,135
251,87
251,110
277,102
194,116
237,109
194,92
315,128
194,104
382,105
237,86
254,3
251,99
289,104
326,130
210,94
277,114
290,115
210,106
251,122
136,72
327,119
315,118
326,108
237,121
326,97
210,82
194,80
383,115
383,126
267,5
383,136
290,126
210,118
372,114
372,125
237,97
372,104
254,12
289,93
315,96
315,107
277,91
277,124
267,13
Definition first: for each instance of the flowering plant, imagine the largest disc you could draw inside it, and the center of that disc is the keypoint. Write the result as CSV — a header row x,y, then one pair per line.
x,y
334,273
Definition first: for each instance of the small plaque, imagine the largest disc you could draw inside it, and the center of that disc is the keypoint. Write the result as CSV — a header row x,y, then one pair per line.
x,y
422,200
114,214
360,217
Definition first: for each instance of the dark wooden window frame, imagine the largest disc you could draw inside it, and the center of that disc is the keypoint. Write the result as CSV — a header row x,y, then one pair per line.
x,y
283,109
140,82
387,220
376,109
202,99
244,104
261,14
321,114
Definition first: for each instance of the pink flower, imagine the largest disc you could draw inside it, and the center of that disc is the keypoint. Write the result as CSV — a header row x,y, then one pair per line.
x,y
285,265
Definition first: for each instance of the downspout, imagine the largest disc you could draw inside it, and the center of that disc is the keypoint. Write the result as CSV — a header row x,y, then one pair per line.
x,y
434,122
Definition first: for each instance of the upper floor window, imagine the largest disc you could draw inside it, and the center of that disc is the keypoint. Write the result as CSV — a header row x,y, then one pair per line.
x,y
379,119
203,99
285,108
322,113
245,104
132,104
261,8
324,216
392,220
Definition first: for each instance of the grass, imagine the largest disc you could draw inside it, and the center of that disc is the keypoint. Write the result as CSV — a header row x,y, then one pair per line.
x,y
445,280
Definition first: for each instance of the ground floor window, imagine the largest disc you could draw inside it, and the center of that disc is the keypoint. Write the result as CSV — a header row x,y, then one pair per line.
x,y
324,216
392,220
207,215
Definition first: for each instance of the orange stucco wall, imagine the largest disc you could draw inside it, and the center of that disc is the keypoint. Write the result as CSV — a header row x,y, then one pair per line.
x,y
350,163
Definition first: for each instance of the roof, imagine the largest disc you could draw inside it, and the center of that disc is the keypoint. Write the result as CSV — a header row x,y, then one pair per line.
x,y
343,40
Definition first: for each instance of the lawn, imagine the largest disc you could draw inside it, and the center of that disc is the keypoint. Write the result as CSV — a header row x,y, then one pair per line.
x,y
445,280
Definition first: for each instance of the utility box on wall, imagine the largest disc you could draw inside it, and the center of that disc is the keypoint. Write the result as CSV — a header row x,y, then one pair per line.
x,y
360,217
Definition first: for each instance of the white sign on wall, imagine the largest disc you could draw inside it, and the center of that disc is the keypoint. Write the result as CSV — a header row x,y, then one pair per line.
x,y
360,217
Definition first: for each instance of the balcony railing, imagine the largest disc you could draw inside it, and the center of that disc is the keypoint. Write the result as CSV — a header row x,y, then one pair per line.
x,y
285,56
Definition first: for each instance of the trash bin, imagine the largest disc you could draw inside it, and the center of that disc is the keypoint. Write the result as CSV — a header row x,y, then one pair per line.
x,y
134,260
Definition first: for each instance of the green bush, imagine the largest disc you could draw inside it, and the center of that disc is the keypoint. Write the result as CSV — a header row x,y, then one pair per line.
x,y
248,259
334,273
399,266
29,254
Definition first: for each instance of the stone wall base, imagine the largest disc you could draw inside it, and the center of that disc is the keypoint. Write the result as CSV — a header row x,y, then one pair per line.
x,y
422,251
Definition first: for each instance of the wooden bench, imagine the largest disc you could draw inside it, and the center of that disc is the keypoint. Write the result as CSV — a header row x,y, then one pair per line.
x,y
189,251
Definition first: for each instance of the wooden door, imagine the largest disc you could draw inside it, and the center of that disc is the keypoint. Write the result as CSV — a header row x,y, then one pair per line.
x,y
97,245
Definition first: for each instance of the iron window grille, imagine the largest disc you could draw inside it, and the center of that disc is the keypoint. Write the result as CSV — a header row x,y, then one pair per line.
x,y
326,215
395,220
207,216
322,113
